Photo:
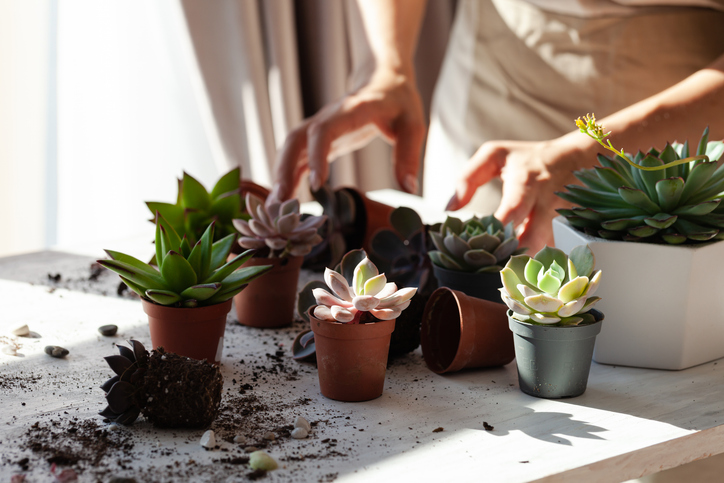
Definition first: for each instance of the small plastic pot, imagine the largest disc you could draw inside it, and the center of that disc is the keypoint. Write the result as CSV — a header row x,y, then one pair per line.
x,y
463,332
197,332
269,301
554,362
480,285
351,358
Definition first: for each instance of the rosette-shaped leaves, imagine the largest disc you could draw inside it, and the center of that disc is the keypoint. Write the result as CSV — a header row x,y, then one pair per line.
x,y
477,245
677,204
551,288
187,276
368,292
196,208
123,406
278,227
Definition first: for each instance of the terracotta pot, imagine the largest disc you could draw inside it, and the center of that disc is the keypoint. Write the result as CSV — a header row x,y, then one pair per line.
x,y
247,186
197,333
463,332
269,300
351,358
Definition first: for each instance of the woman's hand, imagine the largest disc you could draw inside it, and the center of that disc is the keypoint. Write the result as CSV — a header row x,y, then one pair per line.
x,y
388,104
531,173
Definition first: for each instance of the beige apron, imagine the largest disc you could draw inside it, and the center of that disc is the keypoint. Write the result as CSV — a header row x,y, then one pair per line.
x,y
513,71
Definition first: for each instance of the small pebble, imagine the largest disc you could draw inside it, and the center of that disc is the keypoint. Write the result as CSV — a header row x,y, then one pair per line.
x,y
239,439
108,330
299,433
10,350
300,422
113,427
208,440
270,436
260,460
250,449
56,351
23,331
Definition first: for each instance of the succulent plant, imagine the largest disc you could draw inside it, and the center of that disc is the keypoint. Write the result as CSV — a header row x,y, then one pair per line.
x,y
365,292
477,245
188,276
344,228
656,197
196,208
170,390
551,288
278,228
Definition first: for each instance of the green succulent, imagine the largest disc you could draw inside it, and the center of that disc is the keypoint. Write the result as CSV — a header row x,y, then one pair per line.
x,y
476,245
551,288
657,197
188,276
195,207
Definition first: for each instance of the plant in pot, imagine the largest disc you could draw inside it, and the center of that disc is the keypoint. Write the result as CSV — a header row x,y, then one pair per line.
x,y
659,315
550,297
470,254
352,325
196,208
188,296
170,390
282,239
401,253
352,220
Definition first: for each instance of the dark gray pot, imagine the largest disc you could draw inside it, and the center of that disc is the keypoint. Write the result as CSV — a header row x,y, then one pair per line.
x,y
554,362
481,285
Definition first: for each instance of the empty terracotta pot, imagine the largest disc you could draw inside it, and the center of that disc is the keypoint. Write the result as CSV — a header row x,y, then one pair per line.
x,y
463,332
197,333
269,301
351,358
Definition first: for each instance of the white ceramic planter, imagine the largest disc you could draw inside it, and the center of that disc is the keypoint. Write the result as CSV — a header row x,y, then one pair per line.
x,y
664,304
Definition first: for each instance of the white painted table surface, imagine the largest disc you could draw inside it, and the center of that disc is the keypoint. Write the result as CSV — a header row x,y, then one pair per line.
x,y
629,423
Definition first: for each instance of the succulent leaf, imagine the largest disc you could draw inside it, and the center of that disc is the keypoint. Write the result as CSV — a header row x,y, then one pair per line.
x,y
163,297
363,272
583,259
443,260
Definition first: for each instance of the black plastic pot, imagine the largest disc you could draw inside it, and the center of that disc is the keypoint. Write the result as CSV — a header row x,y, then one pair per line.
x,y
481,285
554,362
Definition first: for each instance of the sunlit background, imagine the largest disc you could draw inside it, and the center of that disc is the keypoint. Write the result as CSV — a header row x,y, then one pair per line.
x,y
103,103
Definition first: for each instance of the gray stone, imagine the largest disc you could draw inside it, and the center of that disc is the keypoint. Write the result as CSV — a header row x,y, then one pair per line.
x,y
108,330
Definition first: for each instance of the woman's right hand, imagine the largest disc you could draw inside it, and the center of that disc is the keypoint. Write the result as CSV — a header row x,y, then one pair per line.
x,y
388,104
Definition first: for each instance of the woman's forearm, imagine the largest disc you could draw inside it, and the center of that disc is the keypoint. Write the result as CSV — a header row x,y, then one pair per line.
x,y
392,28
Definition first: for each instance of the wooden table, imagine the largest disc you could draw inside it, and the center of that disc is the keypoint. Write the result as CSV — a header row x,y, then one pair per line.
x,y
629,423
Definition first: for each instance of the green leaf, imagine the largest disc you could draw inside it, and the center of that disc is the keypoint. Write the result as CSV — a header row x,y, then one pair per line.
x,y
443,260
694,231
173,213
669,155
349,263
532,269
202,291
163,297
622,223
591,199
135,263
714,150
589,178
185,247
236,282
612,178
178,272
548,255
701,148
135,287
479,258
224,271
206,247
650,178
661,220
231,181
669,193
453,224
406,221
549,283
639,199
510,283
699,209
699,175
194,258
193,194
583,259
227,207
135,275
643,231
438,240
220,251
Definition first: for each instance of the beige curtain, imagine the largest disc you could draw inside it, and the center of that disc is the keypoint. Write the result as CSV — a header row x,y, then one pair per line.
x,y
266,65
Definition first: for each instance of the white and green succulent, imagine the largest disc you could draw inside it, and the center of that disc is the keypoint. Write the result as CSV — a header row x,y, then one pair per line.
x,y
368,292
187,276
658,197
551,287
476,245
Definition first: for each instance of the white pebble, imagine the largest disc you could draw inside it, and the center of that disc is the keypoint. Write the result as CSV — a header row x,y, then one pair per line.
x,y
22,331
10,350
300,422
208,440
239,439
260,460
299,433
113,427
